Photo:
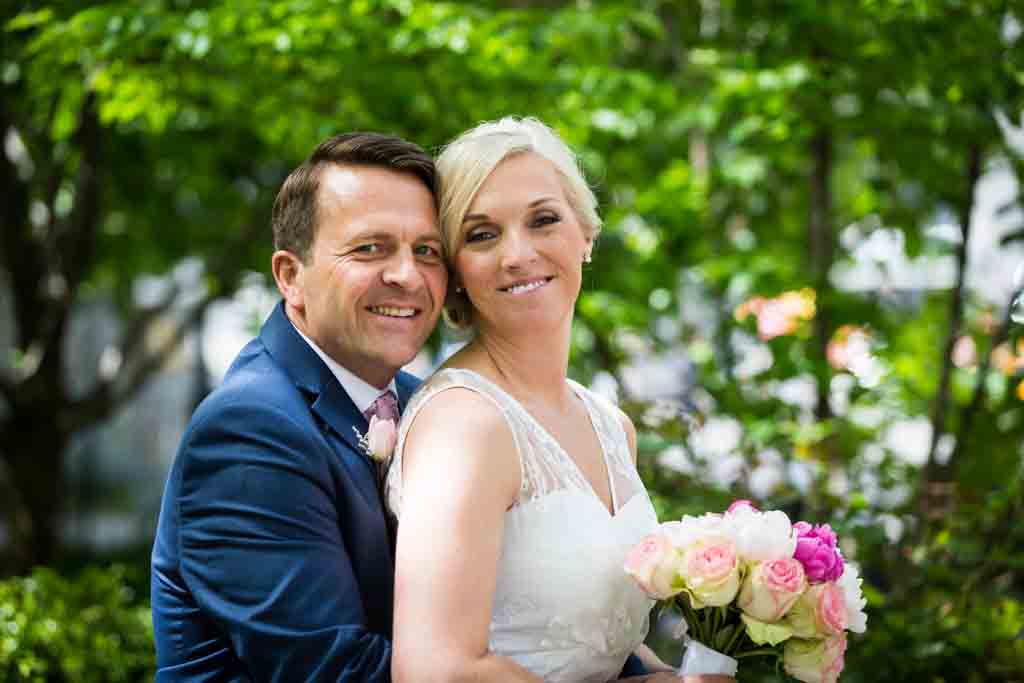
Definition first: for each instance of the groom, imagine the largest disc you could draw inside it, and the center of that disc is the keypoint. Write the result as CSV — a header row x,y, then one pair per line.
x,y
272,560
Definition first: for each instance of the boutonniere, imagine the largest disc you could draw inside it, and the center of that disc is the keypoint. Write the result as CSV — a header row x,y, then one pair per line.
x,y
379,440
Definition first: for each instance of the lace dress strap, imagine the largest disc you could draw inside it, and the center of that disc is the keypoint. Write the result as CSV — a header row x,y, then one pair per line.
x,y
544,467
607,420
442,380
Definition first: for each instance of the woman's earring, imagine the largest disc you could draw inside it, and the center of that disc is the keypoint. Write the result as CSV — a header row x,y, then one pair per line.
x,y
586,257
459,290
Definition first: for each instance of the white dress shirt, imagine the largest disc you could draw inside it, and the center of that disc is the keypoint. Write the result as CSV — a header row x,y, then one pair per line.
x,y
362,393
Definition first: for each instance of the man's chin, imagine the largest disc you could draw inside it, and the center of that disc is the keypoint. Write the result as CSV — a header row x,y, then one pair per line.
x,y
398,358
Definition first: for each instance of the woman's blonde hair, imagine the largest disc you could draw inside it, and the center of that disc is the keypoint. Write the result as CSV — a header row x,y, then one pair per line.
x,y
468,160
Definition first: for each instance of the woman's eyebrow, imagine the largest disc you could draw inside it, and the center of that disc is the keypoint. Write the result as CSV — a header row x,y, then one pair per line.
x,y
484,216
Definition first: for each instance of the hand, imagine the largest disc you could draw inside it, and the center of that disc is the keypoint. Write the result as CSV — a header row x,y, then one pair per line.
x,y
660,677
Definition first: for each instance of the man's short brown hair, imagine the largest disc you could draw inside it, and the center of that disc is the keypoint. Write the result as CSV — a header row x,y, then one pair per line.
x,y
296,212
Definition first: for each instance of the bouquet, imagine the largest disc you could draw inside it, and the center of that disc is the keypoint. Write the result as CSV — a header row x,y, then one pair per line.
x,y
750,583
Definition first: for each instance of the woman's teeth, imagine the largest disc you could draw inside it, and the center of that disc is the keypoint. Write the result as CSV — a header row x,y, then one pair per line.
x,y
529,286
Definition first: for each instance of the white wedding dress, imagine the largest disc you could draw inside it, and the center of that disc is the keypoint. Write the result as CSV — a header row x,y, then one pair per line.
x,y
563,608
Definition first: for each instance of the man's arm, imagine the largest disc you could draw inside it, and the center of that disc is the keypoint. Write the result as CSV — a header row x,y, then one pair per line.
x,y
262,552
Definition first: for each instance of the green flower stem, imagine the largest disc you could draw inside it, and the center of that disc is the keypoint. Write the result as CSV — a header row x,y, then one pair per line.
x,y
755,653
740,630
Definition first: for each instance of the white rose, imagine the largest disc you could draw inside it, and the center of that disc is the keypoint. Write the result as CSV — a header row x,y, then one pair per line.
x,y
762,536
689,530
856,619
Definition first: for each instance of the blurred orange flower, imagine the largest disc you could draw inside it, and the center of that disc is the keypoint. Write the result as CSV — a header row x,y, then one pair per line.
x,y
778,316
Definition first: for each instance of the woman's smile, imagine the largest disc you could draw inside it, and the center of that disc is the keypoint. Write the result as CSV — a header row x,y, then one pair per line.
x,y
526,286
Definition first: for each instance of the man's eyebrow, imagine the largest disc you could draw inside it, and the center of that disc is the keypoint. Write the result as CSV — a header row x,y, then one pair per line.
x,y
379,235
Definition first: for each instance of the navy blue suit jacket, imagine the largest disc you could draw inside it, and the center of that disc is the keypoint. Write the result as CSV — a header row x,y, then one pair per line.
x,y
272,560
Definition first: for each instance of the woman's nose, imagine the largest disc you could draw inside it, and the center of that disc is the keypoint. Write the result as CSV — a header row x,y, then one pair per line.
x,y
517,251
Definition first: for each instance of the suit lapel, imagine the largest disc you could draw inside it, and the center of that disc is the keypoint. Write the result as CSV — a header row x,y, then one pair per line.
x,y
339,413
406,385
330,403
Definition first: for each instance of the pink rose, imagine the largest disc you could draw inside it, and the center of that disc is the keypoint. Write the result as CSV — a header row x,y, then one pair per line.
x,y
771,589
817,552
815,661
739,505
820,612
652,564
381,438
830,609
712,573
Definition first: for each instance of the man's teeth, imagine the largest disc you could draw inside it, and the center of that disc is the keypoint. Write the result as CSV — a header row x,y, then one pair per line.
x,y
518,289
394,312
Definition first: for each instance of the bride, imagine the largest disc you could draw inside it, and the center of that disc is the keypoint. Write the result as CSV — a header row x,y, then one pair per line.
x,y
516,488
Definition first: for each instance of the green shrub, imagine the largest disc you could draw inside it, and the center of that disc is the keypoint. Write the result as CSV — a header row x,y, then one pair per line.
x,y
93,628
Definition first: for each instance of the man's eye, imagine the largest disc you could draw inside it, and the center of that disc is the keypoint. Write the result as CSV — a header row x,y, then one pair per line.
x,y
368,249
428,251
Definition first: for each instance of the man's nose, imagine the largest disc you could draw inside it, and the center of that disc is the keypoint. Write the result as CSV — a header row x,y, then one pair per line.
x,y
401,270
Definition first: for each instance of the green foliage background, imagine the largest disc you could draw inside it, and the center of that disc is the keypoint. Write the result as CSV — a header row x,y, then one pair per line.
x,y
730,142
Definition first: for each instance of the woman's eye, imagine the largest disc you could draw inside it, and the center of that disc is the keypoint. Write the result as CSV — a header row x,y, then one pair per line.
x,y
479,236
546,219
368,249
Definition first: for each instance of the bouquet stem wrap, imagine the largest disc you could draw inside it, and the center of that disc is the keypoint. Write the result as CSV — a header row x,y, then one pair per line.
x,y
701,664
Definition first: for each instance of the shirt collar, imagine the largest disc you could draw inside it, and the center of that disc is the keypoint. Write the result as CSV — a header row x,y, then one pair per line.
x,y
362,393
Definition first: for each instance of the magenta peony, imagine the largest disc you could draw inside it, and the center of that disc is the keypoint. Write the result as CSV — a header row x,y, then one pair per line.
x,y
816,550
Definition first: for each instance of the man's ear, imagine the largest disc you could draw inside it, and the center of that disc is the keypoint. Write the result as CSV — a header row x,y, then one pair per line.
x,y
288,272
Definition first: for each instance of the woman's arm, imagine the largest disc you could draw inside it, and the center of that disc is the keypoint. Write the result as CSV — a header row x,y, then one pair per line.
x,y
460,474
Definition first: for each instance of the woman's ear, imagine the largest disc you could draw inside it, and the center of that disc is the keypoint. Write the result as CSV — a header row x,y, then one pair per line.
x,y
288,272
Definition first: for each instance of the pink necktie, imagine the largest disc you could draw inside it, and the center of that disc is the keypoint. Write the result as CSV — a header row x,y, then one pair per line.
x,y
385,407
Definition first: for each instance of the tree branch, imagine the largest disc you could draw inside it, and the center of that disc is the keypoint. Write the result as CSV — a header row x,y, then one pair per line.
x,y
78,241
8,388
135,331
21,255
108,395
956,311
971,409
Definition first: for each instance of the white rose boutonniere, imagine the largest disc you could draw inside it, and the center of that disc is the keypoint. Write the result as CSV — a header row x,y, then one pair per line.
x,y
380,439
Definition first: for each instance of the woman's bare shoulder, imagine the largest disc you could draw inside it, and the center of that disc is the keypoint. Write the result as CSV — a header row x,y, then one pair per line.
x,y
463,432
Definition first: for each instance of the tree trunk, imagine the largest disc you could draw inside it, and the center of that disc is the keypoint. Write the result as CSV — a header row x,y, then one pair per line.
x,y
821,246
35,467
